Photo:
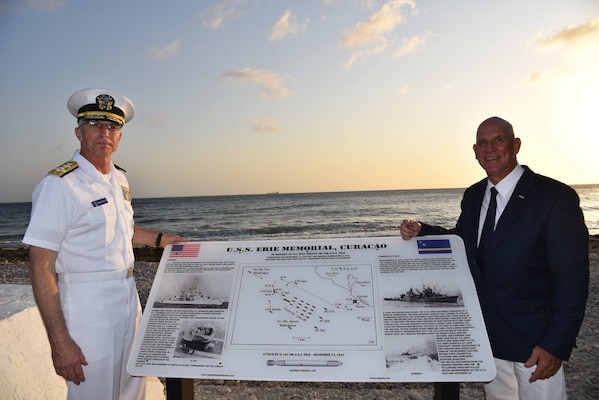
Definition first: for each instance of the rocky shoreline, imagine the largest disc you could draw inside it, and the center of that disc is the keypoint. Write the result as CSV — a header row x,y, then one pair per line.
x,y
582,371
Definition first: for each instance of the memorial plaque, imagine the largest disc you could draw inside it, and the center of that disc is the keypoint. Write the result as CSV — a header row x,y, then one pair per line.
x,y
375,309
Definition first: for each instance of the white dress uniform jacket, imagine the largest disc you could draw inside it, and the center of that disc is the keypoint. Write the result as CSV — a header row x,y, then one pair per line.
x,y
87,218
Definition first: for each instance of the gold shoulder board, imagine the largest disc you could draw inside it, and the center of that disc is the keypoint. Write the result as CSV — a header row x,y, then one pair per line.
x,y
64,169
119,167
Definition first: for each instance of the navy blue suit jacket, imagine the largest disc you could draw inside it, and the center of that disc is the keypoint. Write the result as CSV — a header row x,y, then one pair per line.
x,y
535,282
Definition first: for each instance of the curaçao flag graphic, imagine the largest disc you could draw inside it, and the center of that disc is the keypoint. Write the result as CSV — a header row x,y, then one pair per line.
x,y
185,250
434,246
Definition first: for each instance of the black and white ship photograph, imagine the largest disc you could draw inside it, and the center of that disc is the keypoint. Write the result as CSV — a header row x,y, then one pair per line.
x,y
194,291
412,354
200,338
422,289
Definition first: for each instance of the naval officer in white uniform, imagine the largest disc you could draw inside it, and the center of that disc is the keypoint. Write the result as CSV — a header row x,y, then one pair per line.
x,y
82,231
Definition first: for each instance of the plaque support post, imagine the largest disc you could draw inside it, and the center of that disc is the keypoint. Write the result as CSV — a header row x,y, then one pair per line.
x,y
179,389
447,391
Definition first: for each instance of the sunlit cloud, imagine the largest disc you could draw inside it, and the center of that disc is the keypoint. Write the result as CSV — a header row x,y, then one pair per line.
x,y
371,37
221,12
361,55
286,25
170,50
586,33
46,5
410,45
264,125
538,77
272,83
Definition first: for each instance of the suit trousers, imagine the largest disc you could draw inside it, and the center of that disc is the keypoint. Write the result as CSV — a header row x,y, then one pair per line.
x,y
511,383
102,318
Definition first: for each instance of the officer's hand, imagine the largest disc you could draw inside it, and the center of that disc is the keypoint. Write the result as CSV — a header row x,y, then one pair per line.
x,y
68,361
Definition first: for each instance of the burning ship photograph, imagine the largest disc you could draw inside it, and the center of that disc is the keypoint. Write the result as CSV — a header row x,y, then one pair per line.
x,y
200,338
411,354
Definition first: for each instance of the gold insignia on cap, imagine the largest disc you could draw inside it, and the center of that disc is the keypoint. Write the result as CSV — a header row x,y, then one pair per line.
x,y
64,169
97,103
105,102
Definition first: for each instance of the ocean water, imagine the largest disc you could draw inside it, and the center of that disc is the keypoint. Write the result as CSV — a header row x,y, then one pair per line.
x,y
291,216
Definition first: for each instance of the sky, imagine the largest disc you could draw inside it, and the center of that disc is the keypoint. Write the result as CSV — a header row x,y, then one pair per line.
x,y
250,96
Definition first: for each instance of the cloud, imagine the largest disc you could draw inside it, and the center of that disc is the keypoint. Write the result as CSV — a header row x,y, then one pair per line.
x,y
410,45
286,25
225,10
264,125
360,55
587,32
371,37
170,50
538,77
272,83
46,5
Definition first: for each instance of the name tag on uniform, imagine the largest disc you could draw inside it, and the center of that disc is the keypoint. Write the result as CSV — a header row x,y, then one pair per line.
x,y
99,202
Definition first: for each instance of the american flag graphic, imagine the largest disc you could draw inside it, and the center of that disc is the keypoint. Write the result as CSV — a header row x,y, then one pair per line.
x,y
185,250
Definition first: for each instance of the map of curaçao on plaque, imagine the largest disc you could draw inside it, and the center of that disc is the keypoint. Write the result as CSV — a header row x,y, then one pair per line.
x,y
308,305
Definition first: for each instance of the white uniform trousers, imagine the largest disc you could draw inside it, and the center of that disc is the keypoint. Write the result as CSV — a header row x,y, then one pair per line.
x,y
102,318
511,383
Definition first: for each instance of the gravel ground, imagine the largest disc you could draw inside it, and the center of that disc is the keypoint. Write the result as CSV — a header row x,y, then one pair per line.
x,y
582,371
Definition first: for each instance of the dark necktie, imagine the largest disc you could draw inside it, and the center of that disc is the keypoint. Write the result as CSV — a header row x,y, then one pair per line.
x,y
488,227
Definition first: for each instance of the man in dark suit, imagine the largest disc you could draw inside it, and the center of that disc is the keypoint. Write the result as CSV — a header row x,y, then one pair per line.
x,y
532,276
